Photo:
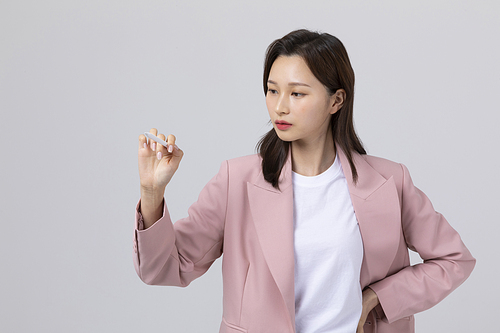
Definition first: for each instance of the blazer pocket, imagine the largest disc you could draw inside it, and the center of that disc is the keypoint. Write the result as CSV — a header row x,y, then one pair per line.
x,y
230,328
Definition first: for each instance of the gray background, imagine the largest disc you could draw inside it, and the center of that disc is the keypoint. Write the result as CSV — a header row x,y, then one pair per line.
x,y
80,80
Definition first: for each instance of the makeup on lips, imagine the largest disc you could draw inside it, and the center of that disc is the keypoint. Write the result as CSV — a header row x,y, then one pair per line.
x,y
282,125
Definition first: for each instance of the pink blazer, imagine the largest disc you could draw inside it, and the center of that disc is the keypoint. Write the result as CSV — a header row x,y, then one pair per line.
x,y
241,215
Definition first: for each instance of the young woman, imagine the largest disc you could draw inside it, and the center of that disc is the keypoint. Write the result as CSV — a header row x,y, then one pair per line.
x,y
315,233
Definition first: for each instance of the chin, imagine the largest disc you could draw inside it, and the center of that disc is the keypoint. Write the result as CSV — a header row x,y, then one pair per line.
x,y
283,136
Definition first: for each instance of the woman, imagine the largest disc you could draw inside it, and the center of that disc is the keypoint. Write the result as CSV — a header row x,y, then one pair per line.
x,y
315,233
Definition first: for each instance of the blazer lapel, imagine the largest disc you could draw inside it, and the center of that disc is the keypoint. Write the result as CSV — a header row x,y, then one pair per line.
x,y
272,213
376,204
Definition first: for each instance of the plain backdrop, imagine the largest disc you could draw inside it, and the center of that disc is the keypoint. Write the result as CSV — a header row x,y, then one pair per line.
x,y
81,80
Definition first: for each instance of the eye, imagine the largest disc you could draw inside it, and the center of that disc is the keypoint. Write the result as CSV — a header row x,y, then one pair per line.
x,y
271,91
296,94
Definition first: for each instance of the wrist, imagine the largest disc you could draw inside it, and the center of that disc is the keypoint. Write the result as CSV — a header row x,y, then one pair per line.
x,y
151,207
152,193
151,200
371,298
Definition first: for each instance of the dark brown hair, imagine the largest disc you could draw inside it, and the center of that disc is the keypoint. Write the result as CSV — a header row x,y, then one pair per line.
x,y
327,58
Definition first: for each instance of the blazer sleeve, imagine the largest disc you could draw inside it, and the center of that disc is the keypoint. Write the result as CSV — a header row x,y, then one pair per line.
x,y
176,254
446,261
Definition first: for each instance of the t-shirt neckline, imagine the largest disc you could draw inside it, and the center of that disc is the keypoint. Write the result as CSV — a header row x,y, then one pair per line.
x,y
323,178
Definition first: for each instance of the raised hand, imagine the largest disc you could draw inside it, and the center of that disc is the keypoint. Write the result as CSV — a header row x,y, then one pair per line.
x,y
157,165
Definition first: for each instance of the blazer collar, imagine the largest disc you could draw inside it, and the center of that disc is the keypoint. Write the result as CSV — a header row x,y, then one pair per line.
x,y
369,180
285,179
367,183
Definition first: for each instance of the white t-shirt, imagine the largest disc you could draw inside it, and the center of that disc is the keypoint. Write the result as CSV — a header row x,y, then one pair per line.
x,y
328,254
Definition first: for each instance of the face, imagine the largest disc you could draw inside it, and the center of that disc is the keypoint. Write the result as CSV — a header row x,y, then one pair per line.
x,y
299,105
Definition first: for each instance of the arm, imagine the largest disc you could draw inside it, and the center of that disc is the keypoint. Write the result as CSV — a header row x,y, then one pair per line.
x,y
447,262
176,254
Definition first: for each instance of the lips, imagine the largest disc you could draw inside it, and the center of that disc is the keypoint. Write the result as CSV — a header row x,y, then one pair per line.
x,y
282,125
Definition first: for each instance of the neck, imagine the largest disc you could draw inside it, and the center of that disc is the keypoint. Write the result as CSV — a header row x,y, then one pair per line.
x,y
314,157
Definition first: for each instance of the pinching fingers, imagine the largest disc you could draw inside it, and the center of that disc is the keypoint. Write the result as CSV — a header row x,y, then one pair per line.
x,y
152,143
171,142
143,141
160,149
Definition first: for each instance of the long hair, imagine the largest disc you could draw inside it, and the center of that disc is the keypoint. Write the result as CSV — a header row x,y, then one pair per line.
x,y
327,58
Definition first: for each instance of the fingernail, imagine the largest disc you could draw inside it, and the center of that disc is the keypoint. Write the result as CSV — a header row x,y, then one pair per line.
x,y
145,145
153,146
159,155
170,148
176,147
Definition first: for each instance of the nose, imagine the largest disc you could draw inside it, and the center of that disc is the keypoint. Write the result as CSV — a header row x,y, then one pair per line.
x,y
282,106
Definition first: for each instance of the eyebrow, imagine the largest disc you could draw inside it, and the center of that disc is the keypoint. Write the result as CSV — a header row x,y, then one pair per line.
x,y
291,83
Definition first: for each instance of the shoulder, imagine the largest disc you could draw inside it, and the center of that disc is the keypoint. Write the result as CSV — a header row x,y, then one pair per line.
x,y
242,161
246,167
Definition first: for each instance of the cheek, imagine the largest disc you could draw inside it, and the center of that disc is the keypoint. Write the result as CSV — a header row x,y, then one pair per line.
x,y
321,112
269,105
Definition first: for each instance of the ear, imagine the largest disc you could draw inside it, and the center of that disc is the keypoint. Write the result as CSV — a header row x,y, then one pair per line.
x,y
337,100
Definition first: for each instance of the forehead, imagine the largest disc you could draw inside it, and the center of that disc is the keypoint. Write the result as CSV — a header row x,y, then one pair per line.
x,y
291,69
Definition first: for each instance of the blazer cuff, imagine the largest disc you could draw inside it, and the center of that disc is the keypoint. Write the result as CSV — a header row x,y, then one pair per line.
x,y
139,224
379,310
139,220
385,310
159,238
